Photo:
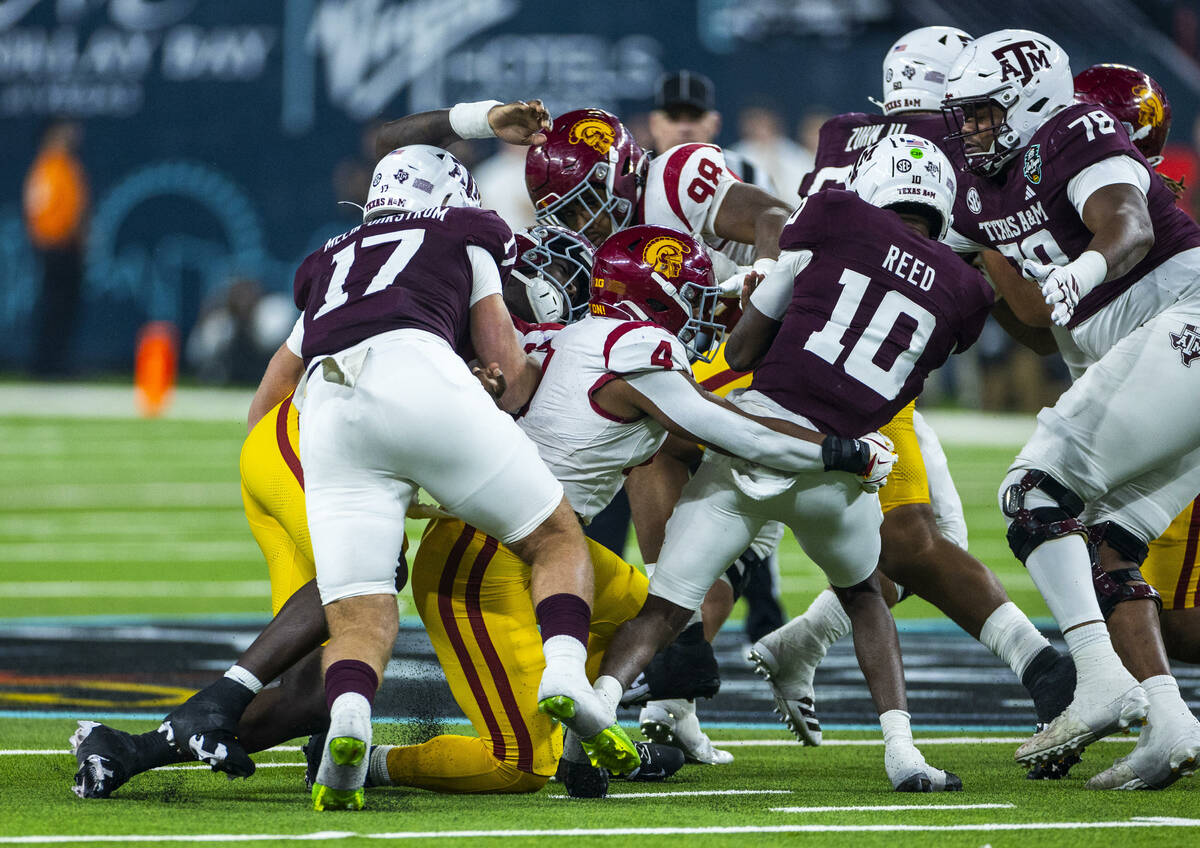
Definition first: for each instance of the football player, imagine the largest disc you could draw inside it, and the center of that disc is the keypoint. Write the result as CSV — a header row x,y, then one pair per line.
x,y
863,303
916,554
1142,107
1059,188
591,176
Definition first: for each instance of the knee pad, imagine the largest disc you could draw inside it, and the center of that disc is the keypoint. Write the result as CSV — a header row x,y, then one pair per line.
x,y
1123,584
1030,527
1129,546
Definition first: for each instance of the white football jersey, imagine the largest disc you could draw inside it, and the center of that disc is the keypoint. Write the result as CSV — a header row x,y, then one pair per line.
x,y
684,189
587,449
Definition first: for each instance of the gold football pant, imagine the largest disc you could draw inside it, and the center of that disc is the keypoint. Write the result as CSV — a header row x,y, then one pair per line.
x,y
472,593
1171,565
907,483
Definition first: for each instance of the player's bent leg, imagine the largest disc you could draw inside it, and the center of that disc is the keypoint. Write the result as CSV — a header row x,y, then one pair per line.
x,y
1181,634
459,765
1045,534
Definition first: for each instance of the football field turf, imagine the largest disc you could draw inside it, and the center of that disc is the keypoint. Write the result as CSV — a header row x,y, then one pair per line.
x,y
112,521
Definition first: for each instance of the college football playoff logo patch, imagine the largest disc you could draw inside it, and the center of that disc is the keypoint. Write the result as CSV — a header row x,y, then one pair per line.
x,y
665,255
593,132
1033,164
1187,342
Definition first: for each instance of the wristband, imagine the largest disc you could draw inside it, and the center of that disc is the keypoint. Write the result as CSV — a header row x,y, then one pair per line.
x,y
841,454
470,120
1089,270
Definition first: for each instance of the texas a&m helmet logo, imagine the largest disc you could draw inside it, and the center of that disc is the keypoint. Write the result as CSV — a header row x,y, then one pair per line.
x,y
1187,342
665,255
1021,60
1150,106
593,132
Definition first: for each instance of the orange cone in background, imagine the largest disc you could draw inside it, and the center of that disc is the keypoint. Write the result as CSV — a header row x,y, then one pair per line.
x,y
154,367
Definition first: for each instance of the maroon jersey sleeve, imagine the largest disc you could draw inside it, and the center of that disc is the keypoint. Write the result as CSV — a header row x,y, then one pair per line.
x,y
488,230
1083,136
806,228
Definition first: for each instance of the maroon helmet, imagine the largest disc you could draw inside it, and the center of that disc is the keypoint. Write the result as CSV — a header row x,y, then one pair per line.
x,y
551,278
661,275
1134,98
589,158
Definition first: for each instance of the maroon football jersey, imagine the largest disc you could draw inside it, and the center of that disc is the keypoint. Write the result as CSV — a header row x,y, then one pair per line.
x,y
410,269
1025,212
844,137
875,311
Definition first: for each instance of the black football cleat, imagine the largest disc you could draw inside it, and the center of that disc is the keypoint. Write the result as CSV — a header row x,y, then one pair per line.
x,y
104,756
658,762
205,727
583,780
1050,680
686,669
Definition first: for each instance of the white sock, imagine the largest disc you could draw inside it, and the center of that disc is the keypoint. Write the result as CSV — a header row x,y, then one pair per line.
x,y
1166,703
1009,634
1092,650
244,677
609,689
565,654
377,770
897,727
1062,571
822,624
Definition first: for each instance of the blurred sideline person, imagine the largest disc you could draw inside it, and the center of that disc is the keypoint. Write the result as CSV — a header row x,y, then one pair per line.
x,y
862,280
923,543
762,137
56,219
1118,268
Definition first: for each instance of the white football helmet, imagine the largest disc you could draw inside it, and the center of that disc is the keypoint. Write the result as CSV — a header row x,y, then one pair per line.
x,y
903,169
1024,73
417,177
915,68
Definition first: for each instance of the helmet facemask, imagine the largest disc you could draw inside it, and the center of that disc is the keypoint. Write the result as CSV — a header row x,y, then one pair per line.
x,y
995,143
581,208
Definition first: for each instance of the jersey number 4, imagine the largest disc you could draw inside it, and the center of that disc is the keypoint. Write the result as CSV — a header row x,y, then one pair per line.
x,y
860,362
407,244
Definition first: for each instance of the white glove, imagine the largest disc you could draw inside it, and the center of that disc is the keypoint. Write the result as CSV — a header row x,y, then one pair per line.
x,y
883,457
1063,286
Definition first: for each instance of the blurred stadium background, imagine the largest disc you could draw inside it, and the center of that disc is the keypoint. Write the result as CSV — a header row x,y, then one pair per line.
x,y
218,138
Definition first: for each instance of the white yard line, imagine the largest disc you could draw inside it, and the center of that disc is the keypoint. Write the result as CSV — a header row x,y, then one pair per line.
x,y
875,807
1139,822
691,793
135,589
930,740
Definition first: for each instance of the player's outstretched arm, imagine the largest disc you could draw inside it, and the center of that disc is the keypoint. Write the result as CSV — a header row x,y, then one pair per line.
x,y
750,339
496,344
282,374
519,122
681,407
752,216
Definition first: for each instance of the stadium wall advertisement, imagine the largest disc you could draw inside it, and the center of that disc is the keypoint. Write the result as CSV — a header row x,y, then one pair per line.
x,y
212,128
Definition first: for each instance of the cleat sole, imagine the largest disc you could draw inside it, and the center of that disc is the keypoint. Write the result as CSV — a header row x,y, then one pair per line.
x,y
347,751
326,798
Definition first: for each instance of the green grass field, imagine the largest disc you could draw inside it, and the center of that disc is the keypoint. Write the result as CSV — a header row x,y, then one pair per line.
x,y
125,517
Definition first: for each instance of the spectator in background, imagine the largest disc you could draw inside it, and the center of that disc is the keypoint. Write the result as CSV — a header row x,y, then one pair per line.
x,y
808,129
501,181
685,111
56,212
238,330
763,140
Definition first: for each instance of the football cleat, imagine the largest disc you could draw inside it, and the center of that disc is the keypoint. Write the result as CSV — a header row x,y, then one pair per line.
x,y
609,747
102,754
582,779
313,750
1052,769
793,691
674,723
205,727
658,762
1159,759
687,668
344,762
1085,720
908,772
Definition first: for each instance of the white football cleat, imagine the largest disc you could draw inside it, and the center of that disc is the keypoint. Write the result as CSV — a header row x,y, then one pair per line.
x,y
674,722
1092,715
1163,754
908,772
567,696
344,761
792,686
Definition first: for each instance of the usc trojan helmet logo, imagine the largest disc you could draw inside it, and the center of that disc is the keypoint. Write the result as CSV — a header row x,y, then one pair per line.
x,y
593,132
665,255
1150,106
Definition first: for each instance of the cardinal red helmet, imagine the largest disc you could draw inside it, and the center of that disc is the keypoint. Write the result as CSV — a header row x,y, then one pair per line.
x,y
1134,98
552,274
589,167
657,274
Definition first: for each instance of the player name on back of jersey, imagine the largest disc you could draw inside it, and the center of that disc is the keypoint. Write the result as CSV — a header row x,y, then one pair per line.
x,y
909,268
1014,226
863,137
435,213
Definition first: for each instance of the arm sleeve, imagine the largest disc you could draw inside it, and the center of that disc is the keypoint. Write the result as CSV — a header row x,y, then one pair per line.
x,y
773,294
295,339
960,244
485,273
722,428
1115,170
